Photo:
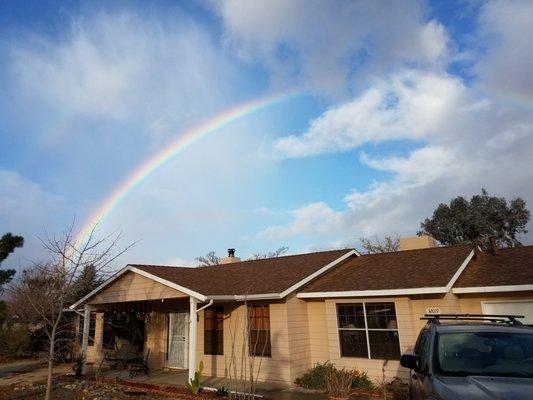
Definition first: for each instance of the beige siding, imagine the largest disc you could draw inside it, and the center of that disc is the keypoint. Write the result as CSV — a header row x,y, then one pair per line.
x,y
274,368
318,331
299,337
156,336
134,287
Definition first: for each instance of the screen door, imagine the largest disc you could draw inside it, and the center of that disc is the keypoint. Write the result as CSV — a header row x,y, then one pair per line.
x,y
178,333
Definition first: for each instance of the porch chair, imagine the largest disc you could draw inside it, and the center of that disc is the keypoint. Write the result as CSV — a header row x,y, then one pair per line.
x,y
140,365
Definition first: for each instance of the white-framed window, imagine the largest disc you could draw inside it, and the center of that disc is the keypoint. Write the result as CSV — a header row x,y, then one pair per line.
x,y
368,330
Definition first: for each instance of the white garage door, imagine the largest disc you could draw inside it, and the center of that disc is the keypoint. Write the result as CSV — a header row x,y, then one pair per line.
x,y
515,307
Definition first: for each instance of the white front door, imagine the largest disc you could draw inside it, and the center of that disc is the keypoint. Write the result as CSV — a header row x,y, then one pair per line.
x,y
178,335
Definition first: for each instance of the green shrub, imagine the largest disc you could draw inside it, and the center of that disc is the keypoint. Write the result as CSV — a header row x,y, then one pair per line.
x,y
15,340
315,378
361,380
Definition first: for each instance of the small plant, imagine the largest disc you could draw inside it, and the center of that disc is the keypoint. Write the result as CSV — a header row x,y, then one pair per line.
x,y
339,383
222,392
79,362
195,385
315,378
361,381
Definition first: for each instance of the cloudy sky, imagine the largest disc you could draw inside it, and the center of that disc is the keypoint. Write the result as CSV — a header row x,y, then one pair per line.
x,y
382,111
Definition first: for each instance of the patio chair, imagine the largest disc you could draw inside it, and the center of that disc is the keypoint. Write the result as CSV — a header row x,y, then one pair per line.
x,y
140,365
127,354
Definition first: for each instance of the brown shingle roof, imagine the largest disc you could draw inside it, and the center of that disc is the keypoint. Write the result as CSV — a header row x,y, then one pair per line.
x,y
273,275
408,269
511,266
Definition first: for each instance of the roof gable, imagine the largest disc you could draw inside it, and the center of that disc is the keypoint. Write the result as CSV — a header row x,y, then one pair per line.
x,y
419,271
508,267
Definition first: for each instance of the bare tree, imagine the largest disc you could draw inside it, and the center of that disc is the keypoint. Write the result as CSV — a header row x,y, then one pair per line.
x,y
45,290
375,245
209,259
243,365
270,254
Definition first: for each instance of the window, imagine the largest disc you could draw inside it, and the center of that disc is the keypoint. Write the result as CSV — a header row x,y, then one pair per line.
x,y
368,330
214,331
259,338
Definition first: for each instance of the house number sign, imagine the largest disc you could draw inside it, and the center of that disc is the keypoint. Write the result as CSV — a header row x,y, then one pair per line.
x,y
433,310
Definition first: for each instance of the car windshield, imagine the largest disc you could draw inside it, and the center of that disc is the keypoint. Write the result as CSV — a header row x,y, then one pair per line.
x,y
485,353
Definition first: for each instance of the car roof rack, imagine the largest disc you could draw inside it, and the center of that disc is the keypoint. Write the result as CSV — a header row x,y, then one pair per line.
x,y
499,318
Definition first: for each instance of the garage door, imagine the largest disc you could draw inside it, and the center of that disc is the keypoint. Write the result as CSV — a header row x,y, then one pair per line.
x,y
515,307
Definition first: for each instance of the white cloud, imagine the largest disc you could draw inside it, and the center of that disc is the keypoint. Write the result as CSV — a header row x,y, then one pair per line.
x,y
324,44
27,209
145,71
409,105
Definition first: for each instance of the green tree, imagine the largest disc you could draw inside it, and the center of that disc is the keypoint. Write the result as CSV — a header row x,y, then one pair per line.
x,y
8,244
475,221
388,244
88,280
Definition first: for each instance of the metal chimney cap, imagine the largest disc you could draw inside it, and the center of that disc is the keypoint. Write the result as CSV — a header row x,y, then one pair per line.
x,y
231,252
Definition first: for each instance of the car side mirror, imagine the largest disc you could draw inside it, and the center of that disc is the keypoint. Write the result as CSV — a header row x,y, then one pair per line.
x,y
410,361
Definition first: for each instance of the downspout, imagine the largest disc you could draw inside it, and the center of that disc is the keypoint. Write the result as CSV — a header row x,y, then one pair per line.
x,y
206,306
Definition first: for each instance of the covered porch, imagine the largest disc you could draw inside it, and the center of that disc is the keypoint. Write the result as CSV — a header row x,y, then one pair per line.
x,y
159,321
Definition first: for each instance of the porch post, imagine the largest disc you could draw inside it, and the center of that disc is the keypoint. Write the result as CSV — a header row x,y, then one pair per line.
x,y
193,323
85,332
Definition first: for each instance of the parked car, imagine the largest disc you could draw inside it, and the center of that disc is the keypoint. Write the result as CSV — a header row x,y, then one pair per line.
x,y
473,357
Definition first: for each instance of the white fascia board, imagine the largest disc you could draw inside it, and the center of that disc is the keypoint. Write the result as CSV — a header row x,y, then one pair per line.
x,y
372,293
172,285
460,270
129,268
316,274
103,285
493,289
239,297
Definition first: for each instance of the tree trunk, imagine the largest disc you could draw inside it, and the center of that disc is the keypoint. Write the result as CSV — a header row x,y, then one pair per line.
x,y
50,363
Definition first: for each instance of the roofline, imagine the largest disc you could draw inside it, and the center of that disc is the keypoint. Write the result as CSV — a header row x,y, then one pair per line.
x,y
129,268
316,274
371,293
492,289
460,270
393,292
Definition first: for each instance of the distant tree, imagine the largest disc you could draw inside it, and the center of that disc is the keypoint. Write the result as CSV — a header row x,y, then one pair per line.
x,y
8,244
84,283
475,221
270,254
209,259
376,245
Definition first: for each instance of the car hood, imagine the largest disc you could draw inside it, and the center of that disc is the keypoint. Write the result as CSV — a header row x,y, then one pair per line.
x,y
486,387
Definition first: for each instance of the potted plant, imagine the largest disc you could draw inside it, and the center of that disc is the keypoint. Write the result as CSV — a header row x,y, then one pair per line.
x,y
339,384
79,362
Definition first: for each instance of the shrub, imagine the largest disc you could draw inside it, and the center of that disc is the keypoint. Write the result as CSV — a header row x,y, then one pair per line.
x,y
361,380
315,378
15,340
339,383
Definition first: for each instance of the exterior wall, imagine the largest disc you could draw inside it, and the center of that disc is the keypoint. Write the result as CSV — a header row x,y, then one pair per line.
x,y
156,338
324,335
274,368
94,352
134,287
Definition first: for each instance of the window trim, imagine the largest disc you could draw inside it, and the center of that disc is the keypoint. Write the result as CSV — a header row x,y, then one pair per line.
x,y
366,329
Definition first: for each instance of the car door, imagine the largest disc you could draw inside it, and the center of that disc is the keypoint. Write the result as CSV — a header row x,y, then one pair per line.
x,y
420,384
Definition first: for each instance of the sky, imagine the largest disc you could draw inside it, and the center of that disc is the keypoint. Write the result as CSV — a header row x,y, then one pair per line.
x,y
353,119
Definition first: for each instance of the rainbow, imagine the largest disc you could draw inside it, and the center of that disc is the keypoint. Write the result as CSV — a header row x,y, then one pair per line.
x,y
183,141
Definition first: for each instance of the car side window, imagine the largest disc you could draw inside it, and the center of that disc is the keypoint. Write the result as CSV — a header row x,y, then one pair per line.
x,y
424,351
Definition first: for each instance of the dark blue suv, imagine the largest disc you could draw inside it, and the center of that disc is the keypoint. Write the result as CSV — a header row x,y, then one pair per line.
x,y
474,357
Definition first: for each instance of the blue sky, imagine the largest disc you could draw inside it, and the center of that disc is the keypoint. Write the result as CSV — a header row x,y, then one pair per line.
x,y
402,106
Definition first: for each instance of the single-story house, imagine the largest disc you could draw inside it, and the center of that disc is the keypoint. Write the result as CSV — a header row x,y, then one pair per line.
x,y
355,310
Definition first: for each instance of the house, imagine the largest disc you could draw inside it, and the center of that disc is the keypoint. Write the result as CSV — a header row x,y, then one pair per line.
x,y
355,310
